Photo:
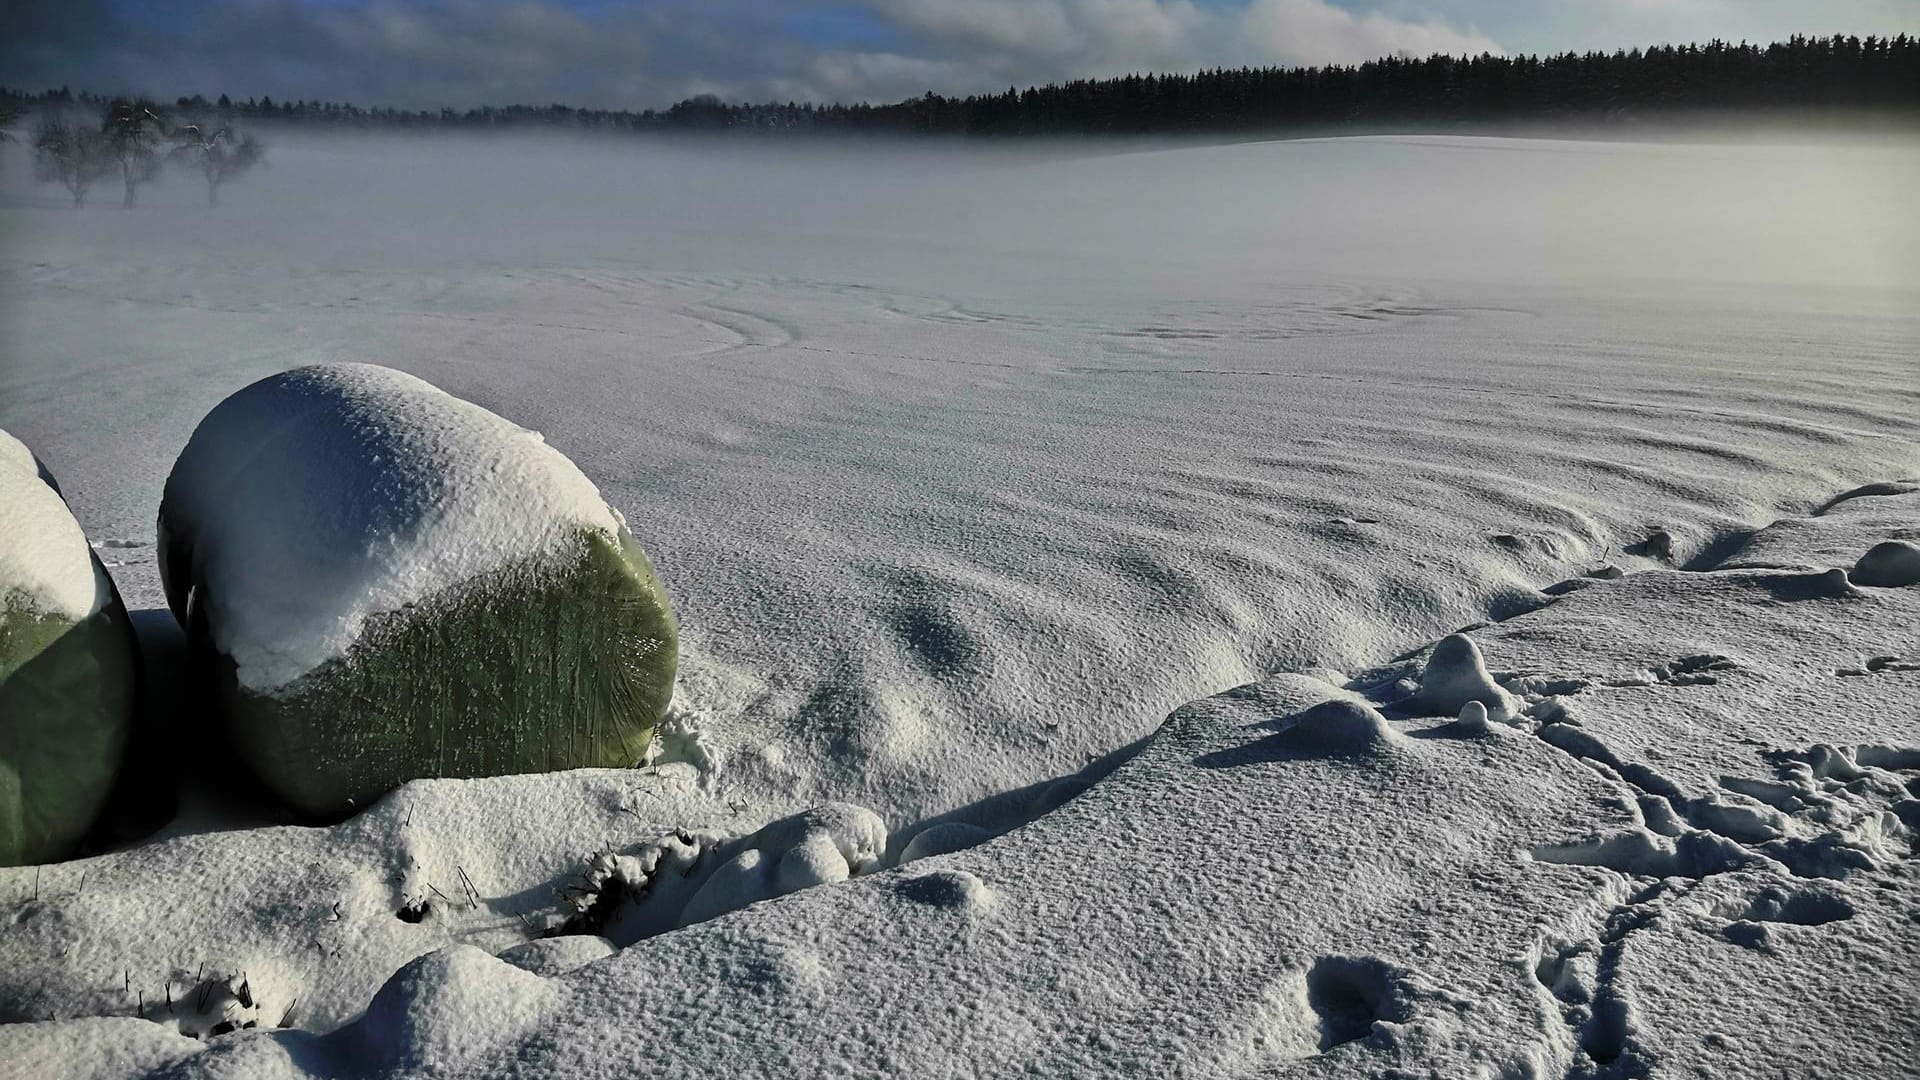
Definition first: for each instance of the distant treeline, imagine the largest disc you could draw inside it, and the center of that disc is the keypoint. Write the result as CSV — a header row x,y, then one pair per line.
x,y
1802,76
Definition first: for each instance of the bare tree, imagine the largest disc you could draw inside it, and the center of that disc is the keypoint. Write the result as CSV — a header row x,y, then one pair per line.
x,y
221,154
133,131
74,154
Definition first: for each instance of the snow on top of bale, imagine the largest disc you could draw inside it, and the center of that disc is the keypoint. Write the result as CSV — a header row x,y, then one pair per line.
x,y
344,491
45,562
15,455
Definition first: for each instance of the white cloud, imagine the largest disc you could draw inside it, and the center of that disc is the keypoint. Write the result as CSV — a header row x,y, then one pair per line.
x,y
989,44
1316,32
842,75
1044,27
1553,26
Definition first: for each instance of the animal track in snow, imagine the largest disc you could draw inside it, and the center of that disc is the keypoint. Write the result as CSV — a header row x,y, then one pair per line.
x,y
683,878
1695,670
1582,976
1778,905
1805,906
1547,544
1876,665
1832,811
1643,853
1565,969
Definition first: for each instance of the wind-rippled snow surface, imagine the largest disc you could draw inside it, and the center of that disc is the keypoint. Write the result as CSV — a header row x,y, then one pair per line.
x,y
966,466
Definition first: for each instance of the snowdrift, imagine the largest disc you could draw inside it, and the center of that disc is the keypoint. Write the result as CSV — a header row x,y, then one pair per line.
x,y
1313,875
67,668
386,582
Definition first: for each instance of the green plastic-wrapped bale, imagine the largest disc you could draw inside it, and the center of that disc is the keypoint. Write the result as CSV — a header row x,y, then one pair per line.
x,y
387,583
67,669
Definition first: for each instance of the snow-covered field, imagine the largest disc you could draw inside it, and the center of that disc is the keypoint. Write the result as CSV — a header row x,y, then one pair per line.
x,y
964,469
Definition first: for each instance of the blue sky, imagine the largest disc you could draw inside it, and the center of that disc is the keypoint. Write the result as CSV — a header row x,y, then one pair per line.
x,y
649,53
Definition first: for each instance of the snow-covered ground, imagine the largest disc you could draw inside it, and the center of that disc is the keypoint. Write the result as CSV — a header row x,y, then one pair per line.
x,y
964,469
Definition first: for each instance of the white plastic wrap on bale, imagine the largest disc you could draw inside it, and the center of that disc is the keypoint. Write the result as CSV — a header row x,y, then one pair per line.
x,y
348,490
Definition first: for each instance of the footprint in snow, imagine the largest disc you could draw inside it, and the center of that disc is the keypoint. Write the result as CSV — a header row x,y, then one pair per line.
x,y
1878,665
1349,994
1695,670
1775,905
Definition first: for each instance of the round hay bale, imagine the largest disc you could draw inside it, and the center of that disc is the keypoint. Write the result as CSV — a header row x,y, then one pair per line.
x,y
388,583
68,672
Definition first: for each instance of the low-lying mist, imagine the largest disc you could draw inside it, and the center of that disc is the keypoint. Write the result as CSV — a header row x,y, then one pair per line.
x,y
1052,218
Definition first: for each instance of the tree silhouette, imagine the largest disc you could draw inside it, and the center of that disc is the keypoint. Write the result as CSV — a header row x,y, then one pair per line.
x,y
220,153
133,131
74,154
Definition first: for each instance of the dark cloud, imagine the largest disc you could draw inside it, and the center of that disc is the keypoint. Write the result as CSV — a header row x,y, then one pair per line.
x,y
649,53
445,52
465,52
